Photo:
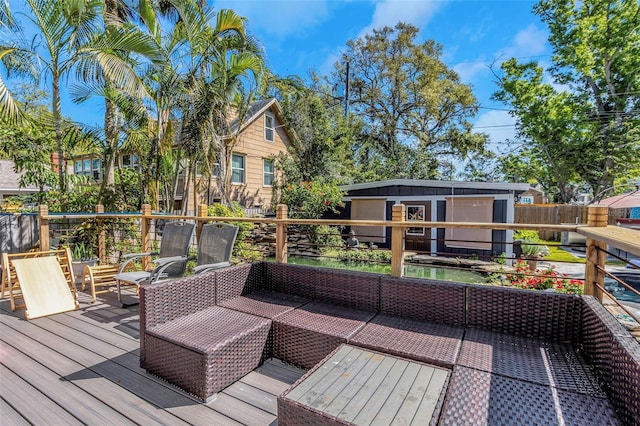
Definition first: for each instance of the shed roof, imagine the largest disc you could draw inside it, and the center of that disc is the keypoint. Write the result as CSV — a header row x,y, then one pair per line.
x,y
498,186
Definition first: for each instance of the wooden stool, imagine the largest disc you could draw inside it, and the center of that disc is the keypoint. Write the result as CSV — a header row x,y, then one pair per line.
x,y
99,276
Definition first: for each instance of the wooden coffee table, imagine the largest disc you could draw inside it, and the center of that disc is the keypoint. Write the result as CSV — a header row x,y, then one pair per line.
x,y
361,387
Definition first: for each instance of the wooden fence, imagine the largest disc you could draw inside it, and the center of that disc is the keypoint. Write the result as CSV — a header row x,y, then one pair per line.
x,y
557,214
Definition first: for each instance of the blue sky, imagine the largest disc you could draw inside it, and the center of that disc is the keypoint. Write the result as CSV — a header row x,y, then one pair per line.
x,y
299,36
303,35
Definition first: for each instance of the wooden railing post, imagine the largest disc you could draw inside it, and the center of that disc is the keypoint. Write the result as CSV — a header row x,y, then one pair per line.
x,y
202,212
397,241
146,235
596,256
102,236
282,213
43,225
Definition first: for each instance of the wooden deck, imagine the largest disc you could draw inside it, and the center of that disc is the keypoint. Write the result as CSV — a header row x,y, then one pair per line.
x,y
82,367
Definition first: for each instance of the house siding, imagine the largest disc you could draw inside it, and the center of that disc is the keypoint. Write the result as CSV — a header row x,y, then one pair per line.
x,y
256,149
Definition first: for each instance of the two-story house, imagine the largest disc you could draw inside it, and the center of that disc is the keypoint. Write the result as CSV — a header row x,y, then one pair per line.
x,y
262,136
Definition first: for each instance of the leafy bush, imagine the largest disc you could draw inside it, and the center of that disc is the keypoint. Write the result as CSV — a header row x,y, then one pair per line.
x,y
309,200
242,248
382,256
525,278
326,237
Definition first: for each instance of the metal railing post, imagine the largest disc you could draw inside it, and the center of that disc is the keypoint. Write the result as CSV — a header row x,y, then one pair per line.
x,y
397,241
596,256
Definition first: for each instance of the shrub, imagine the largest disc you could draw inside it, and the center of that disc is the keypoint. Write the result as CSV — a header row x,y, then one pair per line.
x,y
243,247
525,278
309,200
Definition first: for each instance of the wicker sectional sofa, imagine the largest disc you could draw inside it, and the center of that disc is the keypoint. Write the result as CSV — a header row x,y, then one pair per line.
x,y
499,341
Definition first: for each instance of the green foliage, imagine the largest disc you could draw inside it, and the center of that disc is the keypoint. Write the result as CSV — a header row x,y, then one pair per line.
x,y
242,248
83,196
310,200
526,235
81,251
363,255
412,105
326,237
585,133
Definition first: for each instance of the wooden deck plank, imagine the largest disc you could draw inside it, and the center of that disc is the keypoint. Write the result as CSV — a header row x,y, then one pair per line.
x,y
98,332
256,397
265,383
241,411
112,394
9,416
152,392
32,404
278,370
67,394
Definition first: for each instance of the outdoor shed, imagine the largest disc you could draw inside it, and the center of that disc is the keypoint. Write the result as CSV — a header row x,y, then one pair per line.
x,y
437,201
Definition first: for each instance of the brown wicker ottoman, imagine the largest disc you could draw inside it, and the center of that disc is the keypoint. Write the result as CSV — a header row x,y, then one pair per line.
x,y
361,387
206,351
304,336
429,342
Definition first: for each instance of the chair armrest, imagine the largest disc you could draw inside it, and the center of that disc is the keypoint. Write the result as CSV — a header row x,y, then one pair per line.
x,y
162,264
210,266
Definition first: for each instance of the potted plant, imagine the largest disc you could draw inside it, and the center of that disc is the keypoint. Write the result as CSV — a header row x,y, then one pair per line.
x,y
83,255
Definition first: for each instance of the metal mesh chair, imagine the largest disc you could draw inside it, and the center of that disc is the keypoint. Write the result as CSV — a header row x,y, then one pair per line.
x,y
171,260
215,246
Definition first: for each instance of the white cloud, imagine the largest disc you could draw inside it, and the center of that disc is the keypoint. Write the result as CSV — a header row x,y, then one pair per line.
x,y
390,12
529,42
279,18
468,71
499,126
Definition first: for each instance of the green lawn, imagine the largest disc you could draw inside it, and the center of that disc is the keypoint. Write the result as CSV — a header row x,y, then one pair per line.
x,y
557,254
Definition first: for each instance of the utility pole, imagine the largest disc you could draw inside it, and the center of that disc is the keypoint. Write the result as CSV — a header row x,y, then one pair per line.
x,y
346,93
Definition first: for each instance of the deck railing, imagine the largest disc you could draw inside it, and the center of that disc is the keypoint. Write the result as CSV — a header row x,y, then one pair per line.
x,y
597,231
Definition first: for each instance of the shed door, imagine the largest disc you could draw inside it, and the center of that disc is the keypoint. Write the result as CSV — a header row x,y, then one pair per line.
x,y
418,238
369,210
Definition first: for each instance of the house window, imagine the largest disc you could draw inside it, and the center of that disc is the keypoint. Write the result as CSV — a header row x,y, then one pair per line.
x,y
237,168
268,127
87,167
95,169
216,171
267,175
129,161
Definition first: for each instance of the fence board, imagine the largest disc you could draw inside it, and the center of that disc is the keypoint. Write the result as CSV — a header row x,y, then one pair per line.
x,y
557,214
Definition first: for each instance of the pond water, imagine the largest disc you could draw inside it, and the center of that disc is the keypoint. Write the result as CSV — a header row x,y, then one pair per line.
x,y
621,293
414,271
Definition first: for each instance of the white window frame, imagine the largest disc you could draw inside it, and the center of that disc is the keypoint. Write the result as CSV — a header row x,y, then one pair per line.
x,y
133,161
268,128
415,213
243,169
266,173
